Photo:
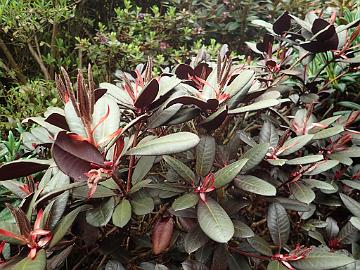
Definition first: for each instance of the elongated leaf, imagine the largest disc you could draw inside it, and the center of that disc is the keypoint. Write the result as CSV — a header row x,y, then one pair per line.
x,y
74,156
242,230
214,120
142,168
214,221
205,155
22,167
225,175
101,215
278,224
38,263
254,185
302,192
118,93
169,144
353,152
162,234
148,94
64,225
180,168
73,120
355,184
294,144
122,213
186,201
318,184
263,104
328,132
194,240
323,166
355,221
268,134
260,245
305,160
255,155
321,260
352,205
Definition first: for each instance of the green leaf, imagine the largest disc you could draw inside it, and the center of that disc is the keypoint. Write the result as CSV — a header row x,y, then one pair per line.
x,y
352,205
302,192
186,201
38,263
142,206
320,259
278,224
205,155
169,144
355,184
294,144
119,94
318,184
73,120
305,160
352,152
263,104
355,221
348,233
242,230
328,132
64,225
194,240
255,185
277,162
101,215
225,175
268,134
276,265
260,245
122,213
180,168
323,166
255,155
143,166
214,221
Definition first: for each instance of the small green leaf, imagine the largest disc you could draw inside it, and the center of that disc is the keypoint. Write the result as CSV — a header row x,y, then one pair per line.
x,y
205,155
180,168
319,184
101,215
302,192
38,263
305,160
143,166
225,175
142,206
169,144
352,205
242,230
278,224
194,240
122,213
263,104
260,245
255,185
320,259
186,201
255,155
214,221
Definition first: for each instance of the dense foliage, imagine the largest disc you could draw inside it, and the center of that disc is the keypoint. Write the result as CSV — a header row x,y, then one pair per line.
x,y
202,165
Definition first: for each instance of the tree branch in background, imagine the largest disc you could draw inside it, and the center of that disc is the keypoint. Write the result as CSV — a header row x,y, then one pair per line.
x,y
38,60
12,63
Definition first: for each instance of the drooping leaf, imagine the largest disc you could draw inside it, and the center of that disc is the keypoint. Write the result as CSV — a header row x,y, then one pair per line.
x,y
255,185
122,213
214,221
186,201
101,215
169,144
302,192
22,167
38,263
321,259
263,104
242,230
74,156
205,155
162,234
225,175
278,224
180,168
64,225
352,205
194,240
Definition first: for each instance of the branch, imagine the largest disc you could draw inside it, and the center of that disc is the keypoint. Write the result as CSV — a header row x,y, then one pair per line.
x,y
21,77
39,61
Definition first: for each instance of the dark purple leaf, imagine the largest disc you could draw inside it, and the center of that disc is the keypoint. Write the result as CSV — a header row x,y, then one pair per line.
x,y
21,168
215,119
58,120
183,71
266,44
148,94
282,24
211,104
74,156
99,93
21,220
321,45
319,25
202,70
